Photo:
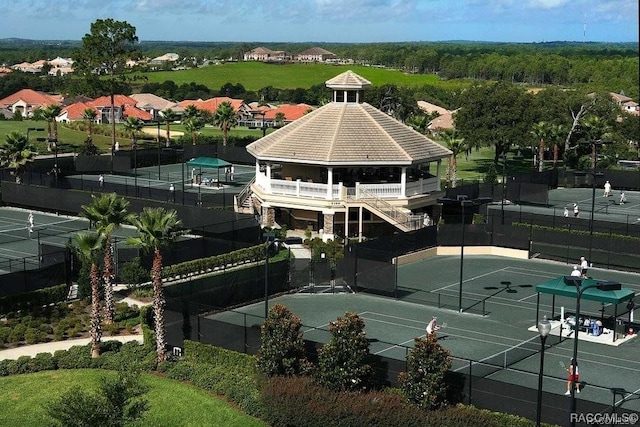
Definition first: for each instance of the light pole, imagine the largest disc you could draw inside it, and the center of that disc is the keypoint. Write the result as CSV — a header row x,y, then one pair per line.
x,y
577,282
181,152
54,143
158,137
595,144
504,183
135,163
544,327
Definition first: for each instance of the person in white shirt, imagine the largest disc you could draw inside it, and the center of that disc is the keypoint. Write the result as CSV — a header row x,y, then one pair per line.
x,y
576,211
576,271
607,189
432,327
30,223
584,266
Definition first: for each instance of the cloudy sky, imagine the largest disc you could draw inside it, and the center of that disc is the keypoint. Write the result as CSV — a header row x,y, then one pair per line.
x,y
345,21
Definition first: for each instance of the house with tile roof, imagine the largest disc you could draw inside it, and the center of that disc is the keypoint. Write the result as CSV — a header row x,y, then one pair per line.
x,y
26,100
265,55
316,54
345,169
153,104
243,111
73,112
444,119
103,106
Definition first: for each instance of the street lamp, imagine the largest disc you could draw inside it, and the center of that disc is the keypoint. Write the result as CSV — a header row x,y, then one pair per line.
x,y
135,163
263,126
577,282
54,144
544,327
181,152
595,144
158,137
504,183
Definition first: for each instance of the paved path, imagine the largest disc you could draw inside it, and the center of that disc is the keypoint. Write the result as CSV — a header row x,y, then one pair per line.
x,y
52,347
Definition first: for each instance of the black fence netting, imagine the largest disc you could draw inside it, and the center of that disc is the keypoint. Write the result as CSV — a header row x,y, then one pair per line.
x,y
18,282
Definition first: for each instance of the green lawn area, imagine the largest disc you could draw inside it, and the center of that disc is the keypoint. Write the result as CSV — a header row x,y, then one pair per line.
x,y
172,403
256,75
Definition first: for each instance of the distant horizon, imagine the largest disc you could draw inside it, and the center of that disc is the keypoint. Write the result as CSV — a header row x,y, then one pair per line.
x,y
332,21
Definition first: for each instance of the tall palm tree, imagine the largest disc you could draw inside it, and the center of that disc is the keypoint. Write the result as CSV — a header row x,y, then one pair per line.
x,y
51,112
37,114
419,123
157,228
89,246
133,125
457,146
108,212
541,131
225,118
595,128
169,116
556,134
193,125
192,111
16,154
279,119
89,114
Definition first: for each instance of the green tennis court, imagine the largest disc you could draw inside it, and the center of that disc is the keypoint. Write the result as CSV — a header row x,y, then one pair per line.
x,y
507,287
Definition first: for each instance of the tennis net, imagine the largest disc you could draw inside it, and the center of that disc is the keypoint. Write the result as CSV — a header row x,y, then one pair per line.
x,y
48,229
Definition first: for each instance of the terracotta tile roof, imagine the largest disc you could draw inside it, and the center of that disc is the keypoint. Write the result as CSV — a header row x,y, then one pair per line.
x,y
347,133
212,104
104,101
133,111
291,111
32,97
75,111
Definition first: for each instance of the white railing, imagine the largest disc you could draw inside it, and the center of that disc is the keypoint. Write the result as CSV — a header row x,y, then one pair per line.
x,y
422,186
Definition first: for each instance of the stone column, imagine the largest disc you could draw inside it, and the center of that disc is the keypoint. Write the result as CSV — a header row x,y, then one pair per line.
x,y
328,216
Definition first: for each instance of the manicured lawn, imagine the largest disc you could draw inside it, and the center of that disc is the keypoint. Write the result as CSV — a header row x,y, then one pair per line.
x,y
257,75
172,403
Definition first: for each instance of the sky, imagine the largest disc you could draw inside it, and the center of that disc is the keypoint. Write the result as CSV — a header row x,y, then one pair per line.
x,y
338,21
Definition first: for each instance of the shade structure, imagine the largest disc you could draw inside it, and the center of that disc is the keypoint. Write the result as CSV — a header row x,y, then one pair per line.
x,y
558,286
208,163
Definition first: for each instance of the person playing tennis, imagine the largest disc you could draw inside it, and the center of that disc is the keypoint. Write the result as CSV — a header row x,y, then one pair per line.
x,y
432,327
30,223
573,379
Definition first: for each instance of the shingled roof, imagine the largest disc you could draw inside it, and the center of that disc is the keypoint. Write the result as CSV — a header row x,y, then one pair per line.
x,y
347,133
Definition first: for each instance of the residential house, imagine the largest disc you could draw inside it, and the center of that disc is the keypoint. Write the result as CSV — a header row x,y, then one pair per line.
x,y
26,67
316,54
288,112
243,111
124,106
74,112
444,119
265,55
167,58
26,100
345,169
154,104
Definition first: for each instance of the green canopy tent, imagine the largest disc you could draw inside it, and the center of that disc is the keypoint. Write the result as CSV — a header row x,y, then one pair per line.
x,y
208,163
565,286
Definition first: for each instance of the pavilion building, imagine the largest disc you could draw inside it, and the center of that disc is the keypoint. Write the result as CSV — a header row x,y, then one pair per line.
x,y
345,169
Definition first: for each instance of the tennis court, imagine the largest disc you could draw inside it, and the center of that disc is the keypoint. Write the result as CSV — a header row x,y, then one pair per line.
x,y
499,338
20,248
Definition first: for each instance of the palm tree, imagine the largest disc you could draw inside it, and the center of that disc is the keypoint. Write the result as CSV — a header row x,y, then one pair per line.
x,y
51,112
541,131
595,128
37,114
157,228
556,134
133,125
169,116
279,119
192,111
108,212
193,125
88,247
419,123
225,118
457,146
89,114
16,153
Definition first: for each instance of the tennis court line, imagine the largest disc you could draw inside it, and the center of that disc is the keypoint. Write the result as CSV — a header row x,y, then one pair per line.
x,y
468,280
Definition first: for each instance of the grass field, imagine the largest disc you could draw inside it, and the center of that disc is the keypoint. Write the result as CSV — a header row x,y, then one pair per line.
x,y
256,75
172,403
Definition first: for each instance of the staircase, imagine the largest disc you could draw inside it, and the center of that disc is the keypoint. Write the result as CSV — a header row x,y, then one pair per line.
x,y
242,201
394,216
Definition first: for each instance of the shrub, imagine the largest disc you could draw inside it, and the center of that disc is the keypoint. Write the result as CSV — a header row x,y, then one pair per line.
x,y
44,362
342,361
424,382
282,349
77,357
133,273
34,336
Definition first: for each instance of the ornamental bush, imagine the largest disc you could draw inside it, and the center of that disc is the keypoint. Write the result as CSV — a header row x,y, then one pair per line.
x,y
282,346
423,384
342,362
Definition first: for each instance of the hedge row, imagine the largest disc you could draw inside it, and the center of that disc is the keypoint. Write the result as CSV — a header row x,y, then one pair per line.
x,y
221,371
214,263
39,298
